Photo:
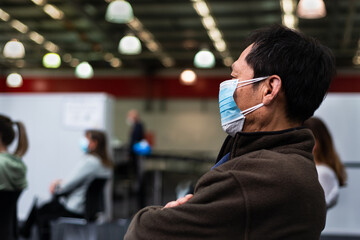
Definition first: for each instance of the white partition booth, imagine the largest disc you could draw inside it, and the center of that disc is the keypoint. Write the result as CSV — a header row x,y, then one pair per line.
x,y
55,123
341,113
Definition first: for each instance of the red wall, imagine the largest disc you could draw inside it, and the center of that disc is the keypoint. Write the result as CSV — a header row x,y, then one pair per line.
x,y
143,87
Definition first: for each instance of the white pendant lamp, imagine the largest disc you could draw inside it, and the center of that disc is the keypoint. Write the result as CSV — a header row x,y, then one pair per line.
x,y
14,80
204,59
14,49
84,70
119,11
188,77
311,9
130,45
51,60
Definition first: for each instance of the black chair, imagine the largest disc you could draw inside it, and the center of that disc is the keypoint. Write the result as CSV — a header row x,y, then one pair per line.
x,y
95,200
8,214
82,227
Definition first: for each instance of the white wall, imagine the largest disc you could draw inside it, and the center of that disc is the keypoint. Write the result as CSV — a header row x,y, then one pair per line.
x,y
53,144
341,113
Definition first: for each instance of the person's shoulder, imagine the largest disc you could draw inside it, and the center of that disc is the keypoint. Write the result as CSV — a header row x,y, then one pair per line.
x,y
9,159
91,159
324,169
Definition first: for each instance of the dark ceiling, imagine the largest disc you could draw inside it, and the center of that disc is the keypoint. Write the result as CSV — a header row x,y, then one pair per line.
x,y
174,24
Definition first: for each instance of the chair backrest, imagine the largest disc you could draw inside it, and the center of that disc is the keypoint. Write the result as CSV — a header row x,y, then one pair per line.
x,y
8,214
95,202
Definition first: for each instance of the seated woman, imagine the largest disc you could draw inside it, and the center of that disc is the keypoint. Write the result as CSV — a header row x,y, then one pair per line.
x,y
12,168
96,164
328,165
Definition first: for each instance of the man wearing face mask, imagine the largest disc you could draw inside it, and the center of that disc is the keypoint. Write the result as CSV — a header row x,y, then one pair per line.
x,y
264,184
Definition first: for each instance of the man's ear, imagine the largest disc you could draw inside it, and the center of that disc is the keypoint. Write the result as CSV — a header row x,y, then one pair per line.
x,y
272,87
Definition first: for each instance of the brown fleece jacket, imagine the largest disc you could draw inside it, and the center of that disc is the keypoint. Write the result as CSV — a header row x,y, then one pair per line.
x,y
268,189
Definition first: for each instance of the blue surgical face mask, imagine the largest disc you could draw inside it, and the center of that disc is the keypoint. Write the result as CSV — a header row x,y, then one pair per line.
x,y
232,118
84,144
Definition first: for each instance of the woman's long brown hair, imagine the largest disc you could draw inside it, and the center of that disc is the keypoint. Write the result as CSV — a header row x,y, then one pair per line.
x,y
7,135
324,151
101,149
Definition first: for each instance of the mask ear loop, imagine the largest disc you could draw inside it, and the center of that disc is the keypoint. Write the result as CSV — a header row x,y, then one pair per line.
x,y
250,110
251,81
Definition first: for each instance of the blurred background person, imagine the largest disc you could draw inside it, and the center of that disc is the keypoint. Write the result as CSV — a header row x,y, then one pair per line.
x,y
12,168
330,169
72,190
12,175
137,133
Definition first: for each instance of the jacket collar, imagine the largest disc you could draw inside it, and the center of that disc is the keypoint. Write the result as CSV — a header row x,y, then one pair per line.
x,y
294,139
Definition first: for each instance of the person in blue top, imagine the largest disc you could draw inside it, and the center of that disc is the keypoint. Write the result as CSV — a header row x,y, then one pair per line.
x,y
96,163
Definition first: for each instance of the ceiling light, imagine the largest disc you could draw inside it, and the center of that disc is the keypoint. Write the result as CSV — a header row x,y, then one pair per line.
x,y
356,60
188,77
74,62
84,70
130,45
39,2
119,11
167,62
51,60
145,35
201,8
53,11
288,6
36,37
290,21
108,56
14,80
220,45
208,22
19,26
135,24
51,47
152,46
311,9
115,62
204,59
215,34
14,49
67,57
4,15
228,61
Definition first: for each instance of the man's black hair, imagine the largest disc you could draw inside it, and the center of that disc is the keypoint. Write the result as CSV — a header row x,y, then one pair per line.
x,y
305,67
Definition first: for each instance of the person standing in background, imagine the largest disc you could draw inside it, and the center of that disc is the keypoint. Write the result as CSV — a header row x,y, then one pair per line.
x,y
331,171
12,168
137,133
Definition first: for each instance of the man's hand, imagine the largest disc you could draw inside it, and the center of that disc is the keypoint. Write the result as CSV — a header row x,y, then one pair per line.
x,y
179,201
